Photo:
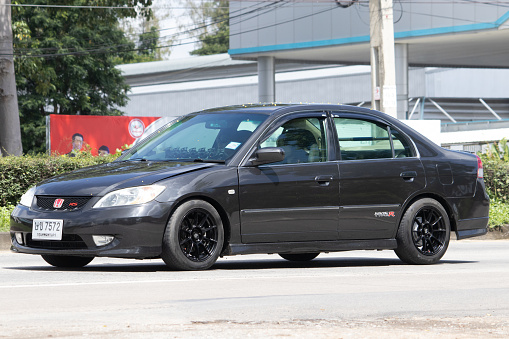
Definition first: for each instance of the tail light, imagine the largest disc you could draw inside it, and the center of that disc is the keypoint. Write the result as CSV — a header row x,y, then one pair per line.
x,y
480,171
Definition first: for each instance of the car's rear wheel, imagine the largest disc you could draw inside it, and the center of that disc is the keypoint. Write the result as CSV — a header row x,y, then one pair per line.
x,y
194,237
66,260
424,232
298,256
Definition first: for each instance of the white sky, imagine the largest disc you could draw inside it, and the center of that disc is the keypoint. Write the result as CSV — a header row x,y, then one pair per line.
x,y
177,17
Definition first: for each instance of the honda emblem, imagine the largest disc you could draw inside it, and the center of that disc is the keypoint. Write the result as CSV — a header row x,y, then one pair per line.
x,y
58,203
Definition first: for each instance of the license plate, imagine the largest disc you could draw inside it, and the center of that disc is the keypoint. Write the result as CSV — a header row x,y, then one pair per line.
x,y
47,229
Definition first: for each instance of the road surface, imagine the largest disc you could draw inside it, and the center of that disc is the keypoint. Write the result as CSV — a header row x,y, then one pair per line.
x,y
368,294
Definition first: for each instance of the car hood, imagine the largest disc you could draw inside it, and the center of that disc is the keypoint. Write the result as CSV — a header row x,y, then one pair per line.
x,y
101,179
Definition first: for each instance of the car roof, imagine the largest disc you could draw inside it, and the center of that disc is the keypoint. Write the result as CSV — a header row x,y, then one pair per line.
x,y
277,109
280,108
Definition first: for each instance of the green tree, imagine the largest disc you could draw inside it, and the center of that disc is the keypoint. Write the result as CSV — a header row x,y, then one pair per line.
x,y
213,19
65,60
147,48
148,42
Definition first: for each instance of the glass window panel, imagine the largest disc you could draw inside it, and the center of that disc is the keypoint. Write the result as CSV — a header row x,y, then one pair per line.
x,y
361,139
213,136
402,148
303,140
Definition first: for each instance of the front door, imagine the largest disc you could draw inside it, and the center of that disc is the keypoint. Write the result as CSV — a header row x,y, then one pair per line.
x,y
296,199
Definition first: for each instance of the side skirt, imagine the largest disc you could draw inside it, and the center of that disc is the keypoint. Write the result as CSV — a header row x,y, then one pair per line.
x,y
471,233
310,247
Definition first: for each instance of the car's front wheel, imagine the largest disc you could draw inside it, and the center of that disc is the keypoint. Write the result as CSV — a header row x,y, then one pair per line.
x,y
298,256
66,260
423,234
194,237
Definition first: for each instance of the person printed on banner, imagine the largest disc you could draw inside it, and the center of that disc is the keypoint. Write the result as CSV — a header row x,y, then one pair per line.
x,y
77,144
103,151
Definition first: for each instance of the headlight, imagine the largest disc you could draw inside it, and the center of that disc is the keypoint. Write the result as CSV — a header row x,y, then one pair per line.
x,y
130,196
28,197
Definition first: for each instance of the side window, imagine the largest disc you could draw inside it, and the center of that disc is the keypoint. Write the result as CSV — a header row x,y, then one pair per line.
x,y
303,140
361,139
402,148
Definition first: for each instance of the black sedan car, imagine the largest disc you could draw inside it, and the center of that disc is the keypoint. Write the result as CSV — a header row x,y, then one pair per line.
x,y
296,180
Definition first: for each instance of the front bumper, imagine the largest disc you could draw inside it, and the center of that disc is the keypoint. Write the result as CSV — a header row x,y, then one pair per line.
x,y
137,230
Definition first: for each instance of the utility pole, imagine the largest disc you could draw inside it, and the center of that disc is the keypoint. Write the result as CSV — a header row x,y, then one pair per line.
x,y
10,132
383,70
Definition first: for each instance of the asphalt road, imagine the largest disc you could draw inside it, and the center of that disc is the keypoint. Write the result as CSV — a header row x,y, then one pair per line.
x,y
340,295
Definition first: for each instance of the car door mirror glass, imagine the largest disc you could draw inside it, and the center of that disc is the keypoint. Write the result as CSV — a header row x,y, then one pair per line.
x,y
267,155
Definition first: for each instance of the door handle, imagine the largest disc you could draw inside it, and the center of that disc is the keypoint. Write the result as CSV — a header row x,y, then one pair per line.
x,y
323,180
408,176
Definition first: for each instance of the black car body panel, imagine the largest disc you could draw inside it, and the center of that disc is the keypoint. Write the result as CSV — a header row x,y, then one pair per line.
x,y
300,203
137,231
100,179
350,191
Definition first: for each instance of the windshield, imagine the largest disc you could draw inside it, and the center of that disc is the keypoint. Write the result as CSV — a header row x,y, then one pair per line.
x,y
213,137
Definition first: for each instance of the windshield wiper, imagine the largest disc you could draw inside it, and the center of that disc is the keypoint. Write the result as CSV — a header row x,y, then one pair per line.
x,y
137,159
209,160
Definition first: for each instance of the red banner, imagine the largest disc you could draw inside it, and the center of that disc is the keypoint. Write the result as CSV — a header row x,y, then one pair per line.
x,y
94,133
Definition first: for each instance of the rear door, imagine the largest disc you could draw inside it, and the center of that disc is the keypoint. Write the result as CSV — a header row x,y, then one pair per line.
x,y
379,169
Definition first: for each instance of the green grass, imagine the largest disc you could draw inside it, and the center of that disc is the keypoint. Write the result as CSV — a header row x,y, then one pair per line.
x,y
5,213
499,213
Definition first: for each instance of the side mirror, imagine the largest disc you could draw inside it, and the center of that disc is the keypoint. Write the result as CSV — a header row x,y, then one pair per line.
x,y
267,155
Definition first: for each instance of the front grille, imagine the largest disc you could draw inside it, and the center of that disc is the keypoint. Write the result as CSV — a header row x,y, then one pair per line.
x,y
69,241
68,203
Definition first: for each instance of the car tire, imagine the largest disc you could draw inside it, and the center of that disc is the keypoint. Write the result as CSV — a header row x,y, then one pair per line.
x,y
298,256
424,232
194,237
66,260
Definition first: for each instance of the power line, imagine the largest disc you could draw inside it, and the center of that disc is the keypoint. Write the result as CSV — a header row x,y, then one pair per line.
x,y
106,48
341,2
188,31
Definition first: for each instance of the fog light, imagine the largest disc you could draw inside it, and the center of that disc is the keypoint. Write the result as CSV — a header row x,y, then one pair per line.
x,y
19,238
102,240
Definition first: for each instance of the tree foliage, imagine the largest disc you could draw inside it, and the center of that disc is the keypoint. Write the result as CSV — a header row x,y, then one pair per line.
x,y
212,18
145,33
65,60
148,42
496,170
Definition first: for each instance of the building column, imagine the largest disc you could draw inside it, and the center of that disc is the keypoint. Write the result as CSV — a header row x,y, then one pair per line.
x,y
401,58
266,79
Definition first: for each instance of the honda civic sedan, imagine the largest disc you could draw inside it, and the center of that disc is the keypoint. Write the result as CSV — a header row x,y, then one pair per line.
x,y
296,180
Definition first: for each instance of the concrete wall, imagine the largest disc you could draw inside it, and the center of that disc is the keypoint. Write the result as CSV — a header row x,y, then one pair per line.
x,y
328,85
257,24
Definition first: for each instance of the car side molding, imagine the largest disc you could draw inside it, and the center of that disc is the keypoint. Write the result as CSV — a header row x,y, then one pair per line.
x,y
311,246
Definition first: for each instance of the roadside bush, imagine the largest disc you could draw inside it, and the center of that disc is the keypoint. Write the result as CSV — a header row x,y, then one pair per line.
x,y
17,174
499,213
5,212
496,178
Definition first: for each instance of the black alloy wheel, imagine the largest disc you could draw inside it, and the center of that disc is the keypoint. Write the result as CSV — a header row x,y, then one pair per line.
x,y
428,231
198,235
194,236
424,232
